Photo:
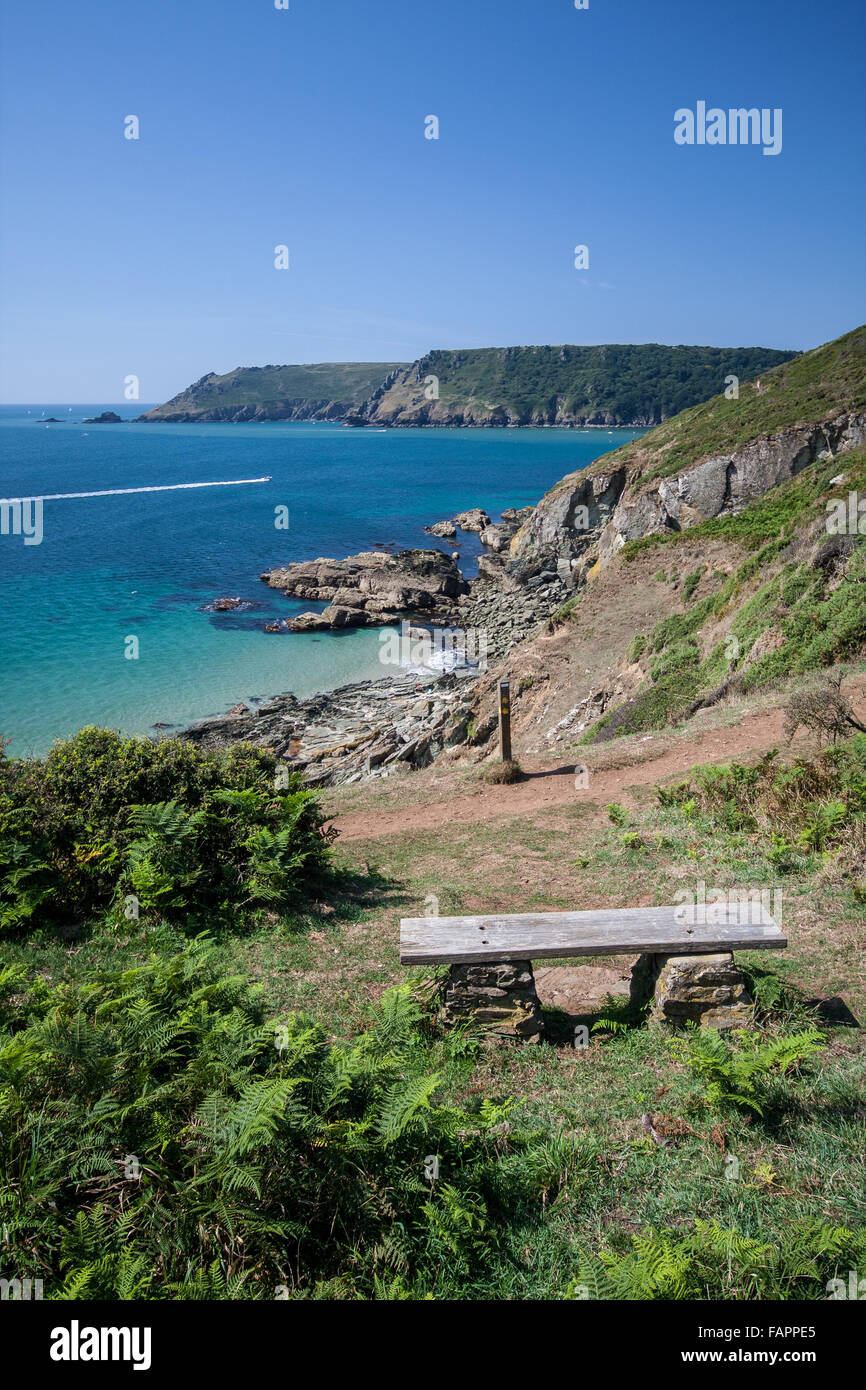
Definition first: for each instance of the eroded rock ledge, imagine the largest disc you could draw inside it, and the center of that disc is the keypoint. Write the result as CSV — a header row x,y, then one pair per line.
x,y
610,508
371,589
361,730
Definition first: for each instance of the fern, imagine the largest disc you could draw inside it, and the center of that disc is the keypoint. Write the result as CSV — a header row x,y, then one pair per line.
x,y
403,1105
735,1070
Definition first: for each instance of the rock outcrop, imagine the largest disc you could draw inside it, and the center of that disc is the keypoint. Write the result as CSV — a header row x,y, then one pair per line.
x,y
362,730
609,508
372,588
225,605
475,519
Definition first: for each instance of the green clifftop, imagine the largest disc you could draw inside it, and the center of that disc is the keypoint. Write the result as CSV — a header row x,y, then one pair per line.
x,y
614,384
316,391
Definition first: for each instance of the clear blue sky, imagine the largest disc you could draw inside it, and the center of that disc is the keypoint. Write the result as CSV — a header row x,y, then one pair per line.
x,y
306,127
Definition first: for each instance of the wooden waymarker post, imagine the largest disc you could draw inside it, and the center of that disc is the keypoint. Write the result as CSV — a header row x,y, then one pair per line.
x,y
505,721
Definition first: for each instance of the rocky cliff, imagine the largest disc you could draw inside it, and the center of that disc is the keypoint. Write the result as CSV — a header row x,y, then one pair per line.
x,y
317,391
710,461
615,384
601,509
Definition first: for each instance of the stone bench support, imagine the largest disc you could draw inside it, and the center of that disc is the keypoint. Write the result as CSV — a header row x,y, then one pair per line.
x,y
705,989
499,995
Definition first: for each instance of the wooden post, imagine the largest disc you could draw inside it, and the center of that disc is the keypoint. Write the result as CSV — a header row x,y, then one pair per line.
x,y
505,721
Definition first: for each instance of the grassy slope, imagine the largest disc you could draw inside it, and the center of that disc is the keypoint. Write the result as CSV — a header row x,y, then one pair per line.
x,y
810,388
351,382
772,595
628,381
590,1180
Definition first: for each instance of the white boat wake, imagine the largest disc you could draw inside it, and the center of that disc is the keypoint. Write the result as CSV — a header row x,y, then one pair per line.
x,y
163,487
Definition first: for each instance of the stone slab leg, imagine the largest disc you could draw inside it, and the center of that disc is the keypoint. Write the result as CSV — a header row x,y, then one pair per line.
x,y
500,996
705,989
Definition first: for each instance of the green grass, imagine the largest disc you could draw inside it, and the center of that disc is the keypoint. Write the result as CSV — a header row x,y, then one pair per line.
x,y
809,388
281,1101
348,382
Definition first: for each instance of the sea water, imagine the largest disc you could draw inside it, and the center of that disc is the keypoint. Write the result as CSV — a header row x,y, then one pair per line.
x,y
144,565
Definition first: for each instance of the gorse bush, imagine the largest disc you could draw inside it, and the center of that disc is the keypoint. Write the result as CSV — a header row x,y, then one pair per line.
x,y
161,1138
190,833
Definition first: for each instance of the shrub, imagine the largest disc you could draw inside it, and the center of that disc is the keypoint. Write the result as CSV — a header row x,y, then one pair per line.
x,y
162,1139
813,805
825,710
189,833
504,772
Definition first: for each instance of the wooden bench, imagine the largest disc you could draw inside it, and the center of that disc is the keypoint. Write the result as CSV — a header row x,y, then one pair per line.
x,y
685,963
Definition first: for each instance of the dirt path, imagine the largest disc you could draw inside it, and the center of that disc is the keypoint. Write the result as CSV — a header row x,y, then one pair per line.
x,y
549,786
555,786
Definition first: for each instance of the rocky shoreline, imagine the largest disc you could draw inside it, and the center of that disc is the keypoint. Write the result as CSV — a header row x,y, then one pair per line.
x,y
534,564
367,728
360,730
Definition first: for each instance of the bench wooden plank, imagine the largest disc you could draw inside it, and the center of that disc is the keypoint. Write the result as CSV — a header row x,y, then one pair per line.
x,y
605,931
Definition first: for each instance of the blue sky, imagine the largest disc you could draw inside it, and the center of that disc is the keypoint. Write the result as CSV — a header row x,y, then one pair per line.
x,y
305,127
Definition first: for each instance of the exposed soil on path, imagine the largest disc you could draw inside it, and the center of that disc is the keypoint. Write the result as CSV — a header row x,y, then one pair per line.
x,y
548,786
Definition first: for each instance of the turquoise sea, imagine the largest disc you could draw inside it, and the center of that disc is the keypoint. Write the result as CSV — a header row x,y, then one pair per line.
x,y
142,565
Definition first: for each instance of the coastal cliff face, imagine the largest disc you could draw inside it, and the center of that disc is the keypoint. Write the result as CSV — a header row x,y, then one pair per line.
x,y
607,509
318,391
710,461
625,385
241,414
614,384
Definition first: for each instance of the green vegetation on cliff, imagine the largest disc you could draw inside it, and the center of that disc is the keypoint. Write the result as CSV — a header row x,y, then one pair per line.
x,y
272,392
612,384
808,389
794,604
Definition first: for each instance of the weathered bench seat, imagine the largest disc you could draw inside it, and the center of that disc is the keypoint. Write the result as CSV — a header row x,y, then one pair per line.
x,y
685,959
601,932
